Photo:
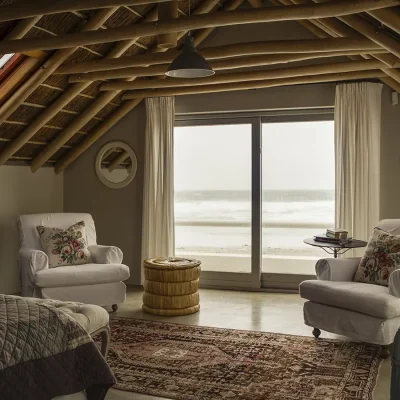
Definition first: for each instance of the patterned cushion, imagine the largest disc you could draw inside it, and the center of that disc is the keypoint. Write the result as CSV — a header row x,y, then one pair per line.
x,y
65,247
381,258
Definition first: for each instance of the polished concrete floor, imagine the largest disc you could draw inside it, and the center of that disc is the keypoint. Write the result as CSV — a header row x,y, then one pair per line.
x,y
260,311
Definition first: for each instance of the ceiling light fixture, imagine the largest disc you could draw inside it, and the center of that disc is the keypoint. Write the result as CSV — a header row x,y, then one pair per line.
x,y
189,64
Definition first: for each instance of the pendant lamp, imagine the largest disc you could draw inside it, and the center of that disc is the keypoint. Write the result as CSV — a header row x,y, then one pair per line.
x,y
189,64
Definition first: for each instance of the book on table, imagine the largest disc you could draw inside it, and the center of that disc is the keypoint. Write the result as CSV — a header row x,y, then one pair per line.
x,y
336,233
327,239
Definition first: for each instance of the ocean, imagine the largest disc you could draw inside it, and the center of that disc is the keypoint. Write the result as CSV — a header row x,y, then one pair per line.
x,y
219,221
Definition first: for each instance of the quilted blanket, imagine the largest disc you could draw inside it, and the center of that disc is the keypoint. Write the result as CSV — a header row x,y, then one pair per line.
x,y
45,353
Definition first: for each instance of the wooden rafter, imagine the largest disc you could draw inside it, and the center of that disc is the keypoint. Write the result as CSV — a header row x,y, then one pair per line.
x,y
165,12
130,105
388,17
49,66
226,87
223,18
217,65
278,73
29,8
227,51
62,101
343,29
93,109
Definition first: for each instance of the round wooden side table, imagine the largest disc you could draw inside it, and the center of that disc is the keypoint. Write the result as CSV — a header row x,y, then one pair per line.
x,y
336,248
171,286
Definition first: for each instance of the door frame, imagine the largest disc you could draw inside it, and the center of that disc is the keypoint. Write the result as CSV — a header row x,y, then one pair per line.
x,y
240,280
256,279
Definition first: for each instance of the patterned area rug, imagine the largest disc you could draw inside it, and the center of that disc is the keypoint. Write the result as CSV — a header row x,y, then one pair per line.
x,y
199,363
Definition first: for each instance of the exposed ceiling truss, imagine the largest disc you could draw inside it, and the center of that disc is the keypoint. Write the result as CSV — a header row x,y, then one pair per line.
x,y
93,61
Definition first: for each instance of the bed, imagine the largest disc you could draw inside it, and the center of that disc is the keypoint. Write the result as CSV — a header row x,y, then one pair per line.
x,y
46,354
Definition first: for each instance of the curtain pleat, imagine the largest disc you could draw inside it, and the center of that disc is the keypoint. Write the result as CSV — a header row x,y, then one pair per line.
x,y
357,157
158,230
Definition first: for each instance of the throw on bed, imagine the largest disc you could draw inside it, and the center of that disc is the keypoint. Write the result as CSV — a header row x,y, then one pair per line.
x,y
45,353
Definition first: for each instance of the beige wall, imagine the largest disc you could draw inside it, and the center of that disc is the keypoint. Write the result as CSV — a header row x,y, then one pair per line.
x,y
23,193
117,212
390,157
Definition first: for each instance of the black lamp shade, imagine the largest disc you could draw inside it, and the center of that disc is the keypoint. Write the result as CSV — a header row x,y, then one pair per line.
x,y
189,64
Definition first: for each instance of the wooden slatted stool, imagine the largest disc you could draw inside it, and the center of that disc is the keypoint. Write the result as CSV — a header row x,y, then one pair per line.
x,y
171,286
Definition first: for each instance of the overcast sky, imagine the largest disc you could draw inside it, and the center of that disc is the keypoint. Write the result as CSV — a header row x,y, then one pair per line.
x,y
296,155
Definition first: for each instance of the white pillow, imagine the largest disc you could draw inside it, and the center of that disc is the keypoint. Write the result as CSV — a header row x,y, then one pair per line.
x,y
65,246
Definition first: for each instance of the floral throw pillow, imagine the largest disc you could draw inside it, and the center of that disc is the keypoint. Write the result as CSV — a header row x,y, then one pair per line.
x,y
65,246
381,258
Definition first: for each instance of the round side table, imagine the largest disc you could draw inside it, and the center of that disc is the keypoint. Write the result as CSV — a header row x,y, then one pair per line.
x,y
171,286
336,248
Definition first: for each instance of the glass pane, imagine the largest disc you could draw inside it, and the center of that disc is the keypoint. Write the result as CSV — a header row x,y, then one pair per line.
x,y
298,193
213,195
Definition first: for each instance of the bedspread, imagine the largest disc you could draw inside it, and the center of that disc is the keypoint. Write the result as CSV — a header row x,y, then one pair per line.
x,y
45,353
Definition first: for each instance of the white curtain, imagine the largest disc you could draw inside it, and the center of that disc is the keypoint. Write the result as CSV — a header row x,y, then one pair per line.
x,y
357,157
158,231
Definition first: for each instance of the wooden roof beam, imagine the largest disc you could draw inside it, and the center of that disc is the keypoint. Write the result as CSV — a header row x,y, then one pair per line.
x,y
130,105
167,11
41,75
227,51
217,65
223,18
29,8
278,73
256,3
62,101
388,17
91,111
139,94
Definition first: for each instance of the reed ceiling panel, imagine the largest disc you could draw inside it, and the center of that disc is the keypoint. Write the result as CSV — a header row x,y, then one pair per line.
x,y
60,23
10,131
61,119
25,114
45,135
43,96
106,111
78,104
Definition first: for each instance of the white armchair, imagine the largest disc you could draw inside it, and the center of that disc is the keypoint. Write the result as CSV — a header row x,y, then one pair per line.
x,y
99,283
360,311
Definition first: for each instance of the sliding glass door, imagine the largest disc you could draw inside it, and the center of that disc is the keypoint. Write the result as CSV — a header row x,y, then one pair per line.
x,y
248,191
298,181
213,197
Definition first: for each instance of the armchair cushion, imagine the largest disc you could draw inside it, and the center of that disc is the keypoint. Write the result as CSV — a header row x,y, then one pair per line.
x,y
381,258
65,246
106,254
87,274
337,269
374,300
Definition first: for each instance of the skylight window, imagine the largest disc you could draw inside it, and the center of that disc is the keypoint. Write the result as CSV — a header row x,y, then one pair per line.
x,y
5,59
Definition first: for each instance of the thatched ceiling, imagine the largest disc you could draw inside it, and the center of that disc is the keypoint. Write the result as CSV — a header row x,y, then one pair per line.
x,y
55,104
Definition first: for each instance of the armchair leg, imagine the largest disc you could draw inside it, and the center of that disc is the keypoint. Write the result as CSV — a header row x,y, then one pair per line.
x,y
316,332
114,307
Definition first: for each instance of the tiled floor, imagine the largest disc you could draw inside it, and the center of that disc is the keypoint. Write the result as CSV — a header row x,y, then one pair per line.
x,y
270,312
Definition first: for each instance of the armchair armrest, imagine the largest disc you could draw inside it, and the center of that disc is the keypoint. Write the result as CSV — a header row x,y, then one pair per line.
x,y
394,283
106,254
32,261
337,269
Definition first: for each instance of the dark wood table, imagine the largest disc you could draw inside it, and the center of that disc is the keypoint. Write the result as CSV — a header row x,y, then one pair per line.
x,y
336,248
